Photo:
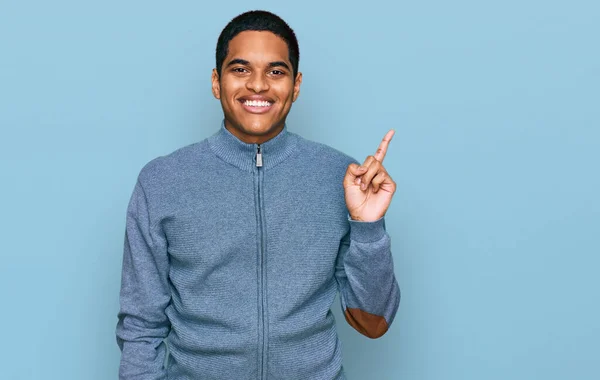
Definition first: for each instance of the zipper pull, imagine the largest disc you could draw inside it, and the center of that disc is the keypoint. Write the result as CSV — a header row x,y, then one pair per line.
x,y
258,157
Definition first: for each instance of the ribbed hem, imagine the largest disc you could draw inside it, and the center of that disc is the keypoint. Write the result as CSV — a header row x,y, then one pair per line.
x,y
243,155
367,232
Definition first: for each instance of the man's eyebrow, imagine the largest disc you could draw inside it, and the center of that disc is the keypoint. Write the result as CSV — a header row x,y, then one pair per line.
x,y
238,61
279,63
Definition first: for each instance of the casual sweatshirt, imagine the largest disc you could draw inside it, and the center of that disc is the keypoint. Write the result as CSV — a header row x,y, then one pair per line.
x,y
233,256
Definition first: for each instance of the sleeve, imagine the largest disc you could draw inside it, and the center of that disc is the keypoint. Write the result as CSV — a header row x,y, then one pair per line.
x,y
369,292
142,322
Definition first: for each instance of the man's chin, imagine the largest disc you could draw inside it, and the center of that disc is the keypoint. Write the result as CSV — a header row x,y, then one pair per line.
x,y
260,129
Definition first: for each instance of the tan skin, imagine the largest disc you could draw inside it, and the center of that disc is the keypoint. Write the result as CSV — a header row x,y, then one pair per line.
x,y
369,188
257,67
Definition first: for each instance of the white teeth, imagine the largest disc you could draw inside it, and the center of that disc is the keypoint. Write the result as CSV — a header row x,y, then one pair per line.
x,y
257,103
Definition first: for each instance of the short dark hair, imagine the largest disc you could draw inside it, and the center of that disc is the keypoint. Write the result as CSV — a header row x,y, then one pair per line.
x,y
258,21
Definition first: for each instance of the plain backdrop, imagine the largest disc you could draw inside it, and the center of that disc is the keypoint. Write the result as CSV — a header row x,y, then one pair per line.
x,y
495,224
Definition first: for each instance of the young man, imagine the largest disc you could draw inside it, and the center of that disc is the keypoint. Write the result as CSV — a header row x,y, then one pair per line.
x,y
236,245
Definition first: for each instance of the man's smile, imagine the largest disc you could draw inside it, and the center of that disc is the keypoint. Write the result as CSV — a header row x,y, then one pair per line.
x,y
256,103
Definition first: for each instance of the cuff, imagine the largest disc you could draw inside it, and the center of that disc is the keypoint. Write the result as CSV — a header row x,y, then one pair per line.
x,y
367,232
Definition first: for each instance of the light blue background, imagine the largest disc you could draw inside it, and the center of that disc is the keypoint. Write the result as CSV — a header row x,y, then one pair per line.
x,y
495,224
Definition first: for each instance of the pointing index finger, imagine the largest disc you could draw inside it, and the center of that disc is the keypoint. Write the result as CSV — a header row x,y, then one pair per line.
x,y
382,150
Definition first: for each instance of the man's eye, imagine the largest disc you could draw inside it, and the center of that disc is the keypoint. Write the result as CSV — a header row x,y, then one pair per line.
x,y
239,70
277,72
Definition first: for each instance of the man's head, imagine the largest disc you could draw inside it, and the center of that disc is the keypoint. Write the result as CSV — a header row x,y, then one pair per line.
x,y
256,76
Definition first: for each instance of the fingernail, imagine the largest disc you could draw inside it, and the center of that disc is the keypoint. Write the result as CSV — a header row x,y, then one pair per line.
x,y
363,187
357,181
361,168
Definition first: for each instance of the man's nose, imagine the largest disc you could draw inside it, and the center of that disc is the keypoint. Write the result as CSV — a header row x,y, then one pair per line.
x,y
257,82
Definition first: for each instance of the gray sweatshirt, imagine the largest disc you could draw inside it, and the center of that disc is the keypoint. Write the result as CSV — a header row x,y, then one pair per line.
x,y
233,256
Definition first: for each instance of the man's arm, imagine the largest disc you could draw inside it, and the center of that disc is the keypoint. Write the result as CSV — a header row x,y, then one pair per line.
x,y
369,292
144,296
365,270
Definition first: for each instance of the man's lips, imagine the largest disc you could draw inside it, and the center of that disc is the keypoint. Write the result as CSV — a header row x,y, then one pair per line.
x,y
256,103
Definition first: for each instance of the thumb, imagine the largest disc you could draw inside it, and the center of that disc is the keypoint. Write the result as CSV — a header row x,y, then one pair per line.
x,y
352,172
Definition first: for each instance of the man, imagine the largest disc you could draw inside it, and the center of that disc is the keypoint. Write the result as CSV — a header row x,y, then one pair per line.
x,y
236,245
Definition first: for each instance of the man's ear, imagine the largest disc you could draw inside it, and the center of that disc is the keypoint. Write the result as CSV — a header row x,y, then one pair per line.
x,y
216,86
297,84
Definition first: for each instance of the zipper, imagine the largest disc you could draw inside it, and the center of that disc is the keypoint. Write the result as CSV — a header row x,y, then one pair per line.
x,y
262,276
258,157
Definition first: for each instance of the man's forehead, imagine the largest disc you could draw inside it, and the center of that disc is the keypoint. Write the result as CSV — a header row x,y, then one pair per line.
x,y
258,47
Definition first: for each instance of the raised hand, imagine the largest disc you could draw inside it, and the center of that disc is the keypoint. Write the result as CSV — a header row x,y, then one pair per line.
x,y
369,188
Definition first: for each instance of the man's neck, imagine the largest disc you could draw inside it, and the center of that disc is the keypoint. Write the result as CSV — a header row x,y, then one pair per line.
x,y
254,139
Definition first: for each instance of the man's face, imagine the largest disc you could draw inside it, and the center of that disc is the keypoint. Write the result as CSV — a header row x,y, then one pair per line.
x,y
256,86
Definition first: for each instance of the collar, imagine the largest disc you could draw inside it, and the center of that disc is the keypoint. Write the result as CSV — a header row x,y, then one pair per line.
x,y
243,155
